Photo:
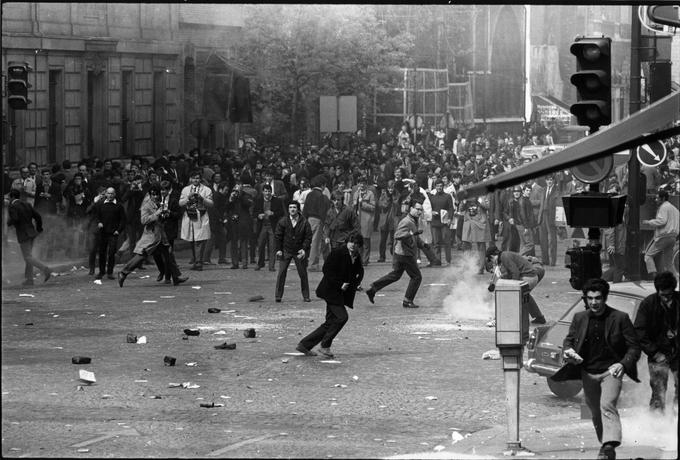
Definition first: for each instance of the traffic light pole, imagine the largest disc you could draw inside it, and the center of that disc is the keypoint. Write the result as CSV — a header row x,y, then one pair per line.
x,y
633,235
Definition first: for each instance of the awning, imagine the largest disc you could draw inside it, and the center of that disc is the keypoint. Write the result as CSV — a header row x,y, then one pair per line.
x,y
658,121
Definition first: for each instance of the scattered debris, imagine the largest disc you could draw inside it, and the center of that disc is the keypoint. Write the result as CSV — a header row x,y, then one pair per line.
x,y
249,333
226,346
142,340
141,381
81,360
284,360
149,301
155,397
169,361
340,385
330,361
439,448
83,450
131,338
355,378
221,332
491,354
456,436
223,293
167,297
107,396
97,282
193,332
195,287
192,364
144,277
255,298
431,398
26,295
86,376
211,405
28,324
214,310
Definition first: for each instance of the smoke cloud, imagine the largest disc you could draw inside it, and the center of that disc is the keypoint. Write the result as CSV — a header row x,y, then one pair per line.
x,y
468,298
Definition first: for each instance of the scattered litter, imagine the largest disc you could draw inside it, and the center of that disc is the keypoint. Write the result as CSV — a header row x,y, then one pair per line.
x,y
144,277
284,360
330,361
355,378
167,297
142,340
439,448
28,324
192,364
107,396
532,416
294,353
221,332
255,298
97,282
229,311
380,295
421,333
169,361
232,303
214,310
174,385
149,301
340,385
192,332
55,316
437,284
211,405
226,346
81,360
80,388
26,295
456,436
223,293
195,287
141,381
59,348
441,338
28,309
190,386
102,315
491,354
431,398
155,397
249,333
131,338
86,376
83,450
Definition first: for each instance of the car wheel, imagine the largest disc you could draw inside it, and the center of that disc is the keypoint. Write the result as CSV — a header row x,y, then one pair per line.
x,y
566,389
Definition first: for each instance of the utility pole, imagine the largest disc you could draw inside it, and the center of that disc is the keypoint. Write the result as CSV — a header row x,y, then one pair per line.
x,y
634,183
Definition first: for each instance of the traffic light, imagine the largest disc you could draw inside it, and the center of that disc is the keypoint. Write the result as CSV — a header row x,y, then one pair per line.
x,y
584,263
593,81
17,85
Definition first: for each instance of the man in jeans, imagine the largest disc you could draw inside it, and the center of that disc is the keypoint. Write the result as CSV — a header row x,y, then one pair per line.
x,y
405,249
656,325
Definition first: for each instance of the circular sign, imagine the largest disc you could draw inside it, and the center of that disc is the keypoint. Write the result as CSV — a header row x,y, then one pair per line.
x,y
652,154
594,171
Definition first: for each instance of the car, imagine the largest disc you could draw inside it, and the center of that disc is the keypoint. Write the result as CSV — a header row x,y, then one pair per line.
x,y
528,151
544,348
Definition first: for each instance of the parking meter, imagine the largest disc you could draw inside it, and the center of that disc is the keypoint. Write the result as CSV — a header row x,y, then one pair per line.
x,y
512,332
512,316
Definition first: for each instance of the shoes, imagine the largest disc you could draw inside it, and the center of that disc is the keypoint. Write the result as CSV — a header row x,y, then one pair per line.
x,y
301,348
180,280
48,275
121,278
91,272
539,320
278,300
257,269
433,265
226,346
222,262
27,283
168,282
160,277
307,299
326,353
234,267
99,276
371,295
409,304
607,452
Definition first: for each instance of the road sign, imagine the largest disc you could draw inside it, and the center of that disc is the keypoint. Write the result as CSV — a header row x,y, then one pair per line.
x,y
652,154
594,171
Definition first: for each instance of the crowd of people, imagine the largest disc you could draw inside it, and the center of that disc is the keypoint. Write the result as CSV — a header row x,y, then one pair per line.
x,y
362,188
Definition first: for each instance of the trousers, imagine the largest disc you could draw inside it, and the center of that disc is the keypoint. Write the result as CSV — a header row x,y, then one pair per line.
x,y
602,393
301,266
27,253
336,318
401,264
658,380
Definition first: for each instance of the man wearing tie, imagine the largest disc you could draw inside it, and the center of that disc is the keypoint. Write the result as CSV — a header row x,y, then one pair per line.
x,y
546,222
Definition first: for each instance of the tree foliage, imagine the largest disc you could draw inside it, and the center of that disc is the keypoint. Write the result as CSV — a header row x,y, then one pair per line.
x,y
300,52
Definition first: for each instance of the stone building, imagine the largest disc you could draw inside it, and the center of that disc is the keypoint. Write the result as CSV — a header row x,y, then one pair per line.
x,y
111,80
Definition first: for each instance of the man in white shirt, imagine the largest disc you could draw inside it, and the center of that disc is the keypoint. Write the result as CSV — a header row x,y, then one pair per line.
x,y
666,227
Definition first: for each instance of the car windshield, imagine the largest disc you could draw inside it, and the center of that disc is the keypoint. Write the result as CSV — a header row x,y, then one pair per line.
x,y
620,302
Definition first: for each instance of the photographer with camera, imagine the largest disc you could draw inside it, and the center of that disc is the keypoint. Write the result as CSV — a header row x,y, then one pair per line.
x,y
405,250
196,198
239,206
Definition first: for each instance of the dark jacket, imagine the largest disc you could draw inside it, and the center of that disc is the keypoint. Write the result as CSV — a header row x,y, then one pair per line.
x,y
338,269
111,215
21,215
51,204
276,207
171,223
620,337
316,204
652,323
291,239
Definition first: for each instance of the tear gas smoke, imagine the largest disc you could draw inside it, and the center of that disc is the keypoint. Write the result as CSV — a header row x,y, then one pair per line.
x,y
469,298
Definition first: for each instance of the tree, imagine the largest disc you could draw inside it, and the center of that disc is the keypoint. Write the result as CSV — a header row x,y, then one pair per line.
x,y
300,52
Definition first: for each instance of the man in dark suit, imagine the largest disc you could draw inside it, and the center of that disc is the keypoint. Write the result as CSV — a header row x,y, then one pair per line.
x,y
599,348
277,185
267,210
170,215
110,218
546,222
293,238
22,215
342,274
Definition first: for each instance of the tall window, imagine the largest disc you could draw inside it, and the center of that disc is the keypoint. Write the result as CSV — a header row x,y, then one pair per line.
x,y
126,126
159,102
55,120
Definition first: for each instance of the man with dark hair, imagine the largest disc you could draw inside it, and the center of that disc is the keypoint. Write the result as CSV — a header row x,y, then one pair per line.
x,y
340,221
196,198
600,347
666,227
316,208
268,210
21,215
405,249
293,237
442,211
656,325
546,222
342,274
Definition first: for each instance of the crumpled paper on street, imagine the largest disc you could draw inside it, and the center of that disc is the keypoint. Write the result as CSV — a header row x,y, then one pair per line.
x,y
491,354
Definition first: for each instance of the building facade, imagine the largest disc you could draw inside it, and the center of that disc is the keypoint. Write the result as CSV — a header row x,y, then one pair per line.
x,y
112,80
